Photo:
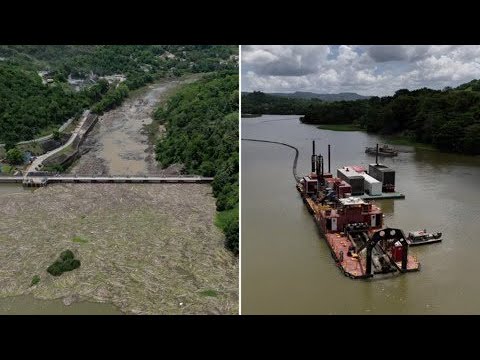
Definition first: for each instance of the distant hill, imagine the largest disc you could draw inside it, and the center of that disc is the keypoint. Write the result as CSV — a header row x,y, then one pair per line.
x,y
346,96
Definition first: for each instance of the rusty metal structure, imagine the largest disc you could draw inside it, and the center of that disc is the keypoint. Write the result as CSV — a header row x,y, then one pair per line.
x,y
360,243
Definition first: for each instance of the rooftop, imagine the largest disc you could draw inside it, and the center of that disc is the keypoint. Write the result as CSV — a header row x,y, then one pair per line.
x,y
352,201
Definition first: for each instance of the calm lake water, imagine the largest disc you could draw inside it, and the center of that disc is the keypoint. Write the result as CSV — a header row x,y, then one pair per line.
x,y
286,265
12,189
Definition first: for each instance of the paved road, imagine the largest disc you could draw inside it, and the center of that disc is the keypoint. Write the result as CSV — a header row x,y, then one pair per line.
x,y
35,166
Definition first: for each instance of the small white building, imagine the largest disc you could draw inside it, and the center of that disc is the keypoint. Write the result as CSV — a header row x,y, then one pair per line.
x,y
372,185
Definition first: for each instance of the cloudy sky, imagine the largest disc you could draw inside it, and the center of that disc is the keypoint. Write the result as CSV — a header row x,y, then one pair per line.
x,y
364,69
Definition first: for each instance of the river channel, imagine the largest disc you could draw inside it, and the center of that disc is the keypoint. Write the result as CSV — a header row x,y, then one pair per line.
x,y
144,248
286,265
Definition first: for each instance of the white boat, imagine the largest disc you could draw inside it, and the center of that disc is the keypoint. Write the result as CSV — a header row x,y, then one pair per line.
x,y
422,237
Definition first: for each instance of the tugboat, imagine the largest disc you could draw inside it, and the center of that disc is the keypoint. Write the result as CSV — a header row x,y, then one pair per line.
x,y
421,237
383,150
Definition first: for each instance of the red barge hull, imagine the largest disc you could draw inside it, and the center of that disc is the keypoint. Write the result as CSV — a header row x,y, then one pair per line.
x,y
353,228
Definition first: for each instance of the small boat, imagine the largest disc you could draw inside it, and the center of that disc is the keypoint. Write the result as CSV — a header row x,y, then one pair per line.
x,y
421,237
383,150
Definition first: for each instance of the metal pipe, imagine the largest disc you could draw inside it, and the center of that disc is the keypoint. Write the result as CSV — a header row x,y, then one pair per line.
x,y
329,158
376,156
404,256
368,269
313,156
317,160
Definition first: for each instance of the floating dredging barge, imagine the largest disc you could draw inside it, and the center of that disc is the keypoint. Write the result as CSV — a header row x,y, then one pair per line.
x,y
360,243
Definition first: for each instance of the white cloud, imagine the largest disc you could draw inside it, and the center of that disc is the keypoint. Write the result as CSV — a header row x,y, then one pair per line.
x,y
368,70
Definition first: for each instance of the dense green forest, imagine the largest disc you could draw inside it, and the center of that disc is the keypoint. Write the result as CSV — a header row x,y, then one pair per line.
x,y
258,102
202,132
29,107
449,118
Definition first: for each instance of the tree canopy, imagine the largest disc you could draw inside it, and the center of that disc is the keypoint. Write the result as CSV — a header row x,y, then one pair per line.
x,y
202,133
29,107
258,102
448,118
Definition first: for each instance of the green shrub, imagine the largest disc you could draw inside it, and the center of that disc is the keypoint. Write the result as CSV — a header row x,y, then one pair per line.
x,y
55,269
70,264
67,254
66,262
209,292
35,280
231,237
56,135
15,156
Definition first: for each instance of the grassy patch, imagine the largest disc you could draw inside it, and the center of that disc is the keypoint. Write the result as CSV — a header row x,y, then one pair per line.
x,y
35,280
7,169
403,140
340,127
67,151
54,168
224,218
34,147
80,240
47,131
209,292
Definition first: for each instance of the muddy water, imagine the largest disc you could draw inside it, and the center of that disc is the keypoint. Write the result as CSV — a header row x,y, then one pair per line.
x,y
118,144
28,305
287,267
6,189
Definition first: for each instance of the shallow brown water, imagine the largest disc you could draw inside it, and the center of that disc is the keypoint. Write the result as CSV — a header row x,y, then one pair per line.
x,y
287,267
28,305
118,144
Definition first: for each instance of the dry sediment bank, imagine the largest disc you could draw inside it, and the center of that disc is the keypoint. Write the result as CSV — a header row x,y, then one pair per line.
x,y
118,144
148,249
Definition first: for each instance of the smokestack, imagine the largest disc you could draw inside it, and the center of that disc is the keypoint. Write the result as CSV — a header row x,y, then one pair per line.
x,y
376,156
313,156
323,179
329,158
317,159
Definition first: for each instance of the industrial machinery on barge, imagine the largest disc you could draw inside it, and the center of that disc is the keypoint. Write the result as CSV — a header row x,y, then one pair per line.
x,y
360,243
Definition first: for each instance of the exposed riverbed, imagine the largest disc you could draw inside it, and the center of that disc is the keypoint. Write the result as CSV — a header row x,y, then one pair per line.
x,y
119,144
144,248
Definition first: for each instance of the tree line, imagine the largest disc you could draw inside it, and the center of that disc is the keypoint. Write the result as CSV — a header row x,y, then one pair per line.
x,y
449,119
260,103
29,108
201,120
